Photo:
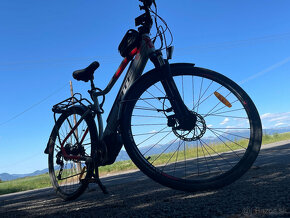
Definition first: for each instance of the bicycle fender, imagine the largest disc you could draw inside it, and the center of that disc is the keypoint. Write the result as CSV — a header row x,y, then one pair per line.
x,y
152,73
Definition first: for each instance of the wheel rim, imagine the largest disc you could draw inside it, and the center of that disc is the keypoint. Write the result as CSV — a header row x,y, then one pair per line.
x,y
68,175
221,144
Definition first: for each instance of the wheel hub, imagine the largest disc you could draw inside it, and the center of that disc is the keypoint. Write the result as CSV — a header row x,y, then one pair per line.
x,y
193,134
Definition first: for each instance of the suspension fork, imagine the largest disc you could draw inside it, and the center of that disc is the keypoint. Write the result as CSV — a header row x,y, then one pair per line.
x,y
186,119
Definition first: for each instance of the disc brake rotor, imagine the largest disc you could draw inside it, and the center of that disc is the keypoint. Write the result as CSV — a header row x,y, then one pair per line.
x,y
192,135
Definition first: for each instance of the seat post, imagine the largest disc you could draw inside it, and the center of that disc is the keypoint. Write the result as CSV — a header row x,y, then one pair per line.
x,y
92,84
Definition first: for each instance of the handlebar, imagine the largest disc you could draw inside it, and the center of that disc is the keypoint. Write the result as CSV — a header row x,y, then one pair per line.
x,y
145,20
147,3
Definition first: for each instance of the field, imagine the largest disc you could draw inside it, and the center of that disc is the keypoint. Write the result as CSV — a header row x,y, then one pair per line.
x,y
42,181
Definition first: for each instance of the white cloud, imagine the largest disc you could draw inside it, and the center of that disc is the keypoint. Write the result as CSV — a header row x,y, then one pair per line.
x,y
266,115
279,124
280,118
225,121
272,120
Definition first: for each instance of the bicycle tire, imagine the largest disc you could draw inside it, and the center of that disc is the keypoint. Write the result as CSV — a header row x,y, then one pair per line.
x,y
141,91
72,181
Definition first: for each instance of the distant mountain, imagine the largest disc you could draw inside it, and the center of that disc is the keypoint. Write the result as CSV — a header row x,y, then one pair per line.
x,y
276,130
7,176
170,147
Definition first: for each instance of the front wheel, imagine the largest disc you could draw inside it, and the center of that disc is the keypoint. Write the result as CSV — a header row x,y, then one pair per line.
x,y
220,148
69,176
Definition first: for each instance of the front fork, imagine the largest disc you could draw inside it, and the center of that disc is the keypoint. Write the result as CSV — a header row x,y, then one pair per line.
x,y
186,119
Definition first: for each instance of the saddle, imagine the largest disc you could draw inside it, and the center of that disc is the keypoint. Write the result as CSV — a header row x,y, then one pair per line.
x,y
87,73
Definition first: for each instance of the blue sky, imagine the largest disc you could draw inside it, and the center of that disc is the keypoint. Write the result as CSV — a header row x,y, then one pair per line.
x,y
43,42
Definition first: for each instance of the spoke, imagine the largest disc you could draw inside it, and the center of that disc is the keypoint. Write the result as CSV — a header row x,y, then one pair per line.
x,y
149,116
74,132
199,95
164,151
58,136
217,135
214,115
177,156
156,98
204,156
230,128
220,108
159,89
228,111
209,96
152,136
150,124
87,139
62,130
224,106
216,106
197,160
145,108
155,144
57,146
72,170
229,133
70,139
169,159
217,153
184,155
226,138
211,156
150,104
182,90
142,99
86,144
203,95
192,85
150,133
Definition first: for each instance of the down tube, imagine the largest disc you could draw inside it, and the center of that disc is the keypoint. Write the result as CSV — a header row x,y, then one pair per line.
x,y
134,72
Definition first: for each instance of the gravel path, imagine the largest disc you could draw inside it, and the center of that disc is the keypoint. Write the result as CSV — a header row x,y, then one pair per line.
x,y
263,192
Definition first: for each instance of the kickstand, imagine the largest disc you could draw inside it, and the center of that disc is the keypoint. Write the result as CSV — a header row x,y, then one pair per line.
x,y
97,180
95,177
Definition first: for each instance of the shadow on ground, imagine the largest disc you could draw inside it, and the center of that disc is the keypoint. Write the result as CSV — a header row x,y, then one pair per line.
x,y
263,191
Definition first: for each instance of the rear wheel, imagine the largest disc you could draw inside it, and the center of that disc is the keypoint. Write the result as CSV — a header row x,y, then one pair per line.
x,y
69,176
218,150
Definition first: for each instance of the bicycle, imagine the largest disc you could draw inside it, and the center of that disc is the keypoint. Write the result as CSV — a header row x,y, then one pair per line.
x,y
185,127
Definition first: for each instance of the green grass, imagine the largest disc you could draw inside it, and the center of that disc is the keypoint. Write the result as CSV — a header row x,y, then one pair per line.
x,y
41,181
26,183
267,139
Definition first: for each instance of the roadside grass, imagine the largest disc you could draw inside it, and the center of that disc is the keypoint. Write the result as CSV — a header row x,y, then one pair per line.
x,y
42,181
267,139
26,183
